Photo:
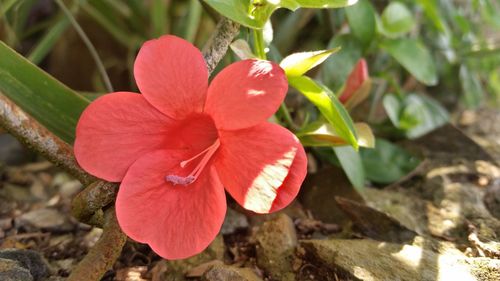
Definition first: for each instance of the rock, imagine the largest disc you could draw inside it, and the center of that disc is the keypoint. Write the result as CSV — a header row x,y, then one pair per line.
x,y
177,269
409,210
492,198
30,260
319,190
233,221
375,224
131,273
225,272
12,151
276,243
372,260
70,188
11,270
46,218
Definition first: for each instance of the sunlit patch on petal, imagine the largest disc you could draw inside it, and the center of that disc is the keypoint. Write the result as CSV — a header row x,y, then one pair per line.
x,y
253,163
245,94
293,181
263,190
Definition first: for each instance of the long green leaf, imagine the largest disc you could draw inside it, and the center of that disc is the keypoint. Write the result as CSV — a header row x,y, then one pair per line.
x,y
47,100
362,22
299,63
48,41
351,163
329,106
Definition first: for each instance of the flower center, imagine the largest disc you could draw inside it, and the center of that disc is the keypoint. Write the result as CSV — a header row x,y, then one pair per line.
x,y
195,173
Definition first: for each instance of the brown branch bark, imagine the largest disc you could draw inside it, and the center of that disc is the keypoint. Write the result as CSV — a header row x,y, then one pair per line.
x,y
104,253
35,136
217,45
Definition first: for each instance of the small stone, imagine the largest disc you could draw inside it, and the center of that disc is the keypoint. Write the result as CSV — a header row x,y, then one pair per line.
x,y
70,188
60,179
177,269
225,272
276,243
30,260
12,152
131,273
42,219
11,270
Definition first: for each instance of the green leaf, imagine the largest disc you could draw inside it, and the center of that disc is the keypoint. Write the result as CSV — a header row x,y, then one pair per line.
x,y
336,69
255,13
387,163
414,114
350,160
298,64
414,57
325,3
47,100
361,19
244,12
431,10
320,134
48,41
365,135
393,106
471,86
329,106
396,20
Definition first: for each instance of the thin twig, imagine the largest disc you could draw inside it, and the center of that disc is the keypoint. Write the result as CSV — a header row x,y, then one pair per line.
x,y
88,44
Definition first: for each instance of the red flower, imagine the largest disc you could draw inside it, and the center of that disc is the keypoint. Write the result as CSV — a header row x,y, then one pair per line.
x,y
176,146
356,78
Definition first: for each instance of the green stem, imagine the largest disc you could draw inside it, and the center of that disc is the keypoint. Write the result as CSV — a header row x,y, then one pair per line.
x,y
259,45
193,20
89,45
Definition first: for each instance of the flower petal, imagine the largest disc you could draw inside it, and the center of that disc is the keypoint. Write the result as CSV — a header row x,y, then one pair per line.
x,y
176,221
172,75
245,94
291,186
115,130
253,165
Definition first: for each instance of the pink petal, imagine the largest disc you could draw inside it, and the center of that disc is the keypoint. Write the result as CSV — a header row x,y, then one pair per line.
x,y
291,186
176,221
356,78
172,75
245,94
115,130
254,163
